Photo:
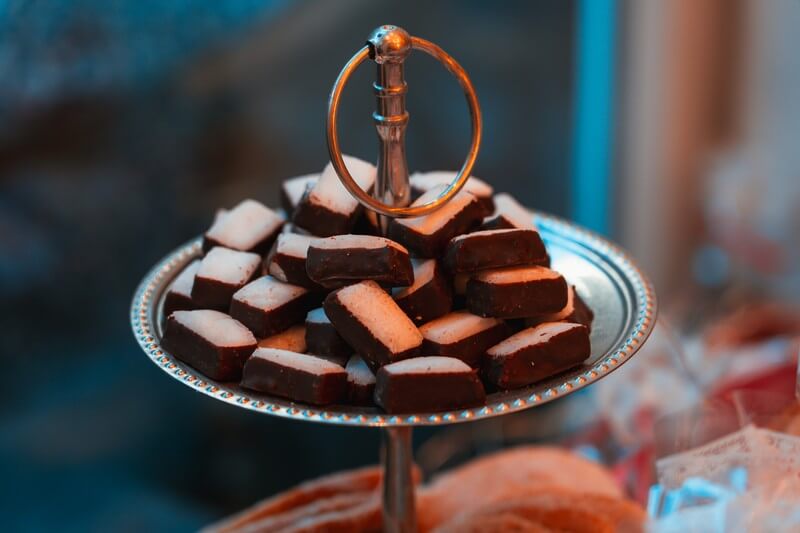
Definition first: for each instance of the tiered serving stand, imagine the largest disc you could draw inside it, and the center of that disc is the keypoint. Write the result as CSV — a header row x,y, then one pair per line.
x,y
620,295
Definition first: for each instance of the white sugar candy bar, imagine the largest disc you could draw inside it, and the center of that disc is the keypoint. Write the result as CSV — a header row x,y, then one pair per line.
x,y
370,321
221,273
268,306
248,227
462,335
342,259
293,189
536,353
422,182
575,311
360,381
299,377
499,248
322,337
516,292
429,296
427,384
328,208
508,214
287,260
293,340
210,341
428,235
179,295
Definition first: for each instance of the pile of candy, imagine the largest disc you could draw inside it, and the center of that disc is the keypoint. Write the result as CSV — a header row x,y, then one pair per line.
x,y
324,310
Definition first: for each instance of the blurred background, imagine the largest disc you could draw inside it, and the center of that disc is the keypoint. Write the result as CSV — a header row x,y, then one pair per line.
x,y
671,127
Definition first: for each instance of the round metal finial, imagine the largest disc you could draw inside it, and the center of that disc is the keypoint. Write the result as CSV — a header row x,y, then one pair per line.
x,y
388,46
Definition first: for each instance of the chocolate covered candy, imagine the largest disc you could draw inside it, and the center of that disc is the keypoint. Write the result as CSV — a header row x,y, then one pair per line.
x,y
516,292
293,340
268,306
508,214
367,224
293,189
372,323
460,290
360,381
494,249
460,284
422,182
248,227
222,272
179,294
575,311
428,235
299,377
287,260
462,335
336,261
322,338
429,296
210,341
427,384
536,353
327,208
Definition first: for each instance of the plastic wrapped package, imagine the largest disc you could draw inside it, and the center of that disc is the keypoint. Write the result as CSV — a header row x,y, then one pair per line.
x,y
729,465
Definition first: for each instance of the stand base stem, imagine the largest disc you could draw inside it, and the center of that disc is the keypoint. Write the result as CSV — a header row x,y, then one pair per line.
x,y
399,506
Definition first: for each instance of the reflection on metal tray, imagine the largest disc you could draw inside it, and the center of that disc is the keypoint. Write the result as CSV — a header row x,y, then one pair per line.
x,y
619,294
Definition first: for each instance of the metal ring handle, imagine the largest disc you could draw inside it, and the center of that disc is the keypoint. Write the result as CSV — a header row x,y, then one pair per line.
x,y
333,138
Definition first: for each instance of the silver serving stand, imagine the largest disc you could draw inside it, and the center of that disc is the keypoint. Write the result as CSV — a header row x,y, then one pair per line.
x,y
620,295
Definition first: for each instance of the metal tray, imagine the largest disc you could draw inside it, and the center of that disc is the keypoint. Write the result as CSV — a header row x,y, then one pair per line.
x,y
616,290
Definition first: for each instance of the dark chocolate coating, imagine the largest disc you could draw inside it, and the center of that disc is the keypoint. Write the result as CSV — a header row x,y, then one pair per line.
x,y
333,268
367,224
581,314
432,245
175,301
538,361
504,248
469,349
360,393
323,339
319,220
360,338
265,323
219,363
424,393
516,300
267,376
431,300
294,268
486,204
208,293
